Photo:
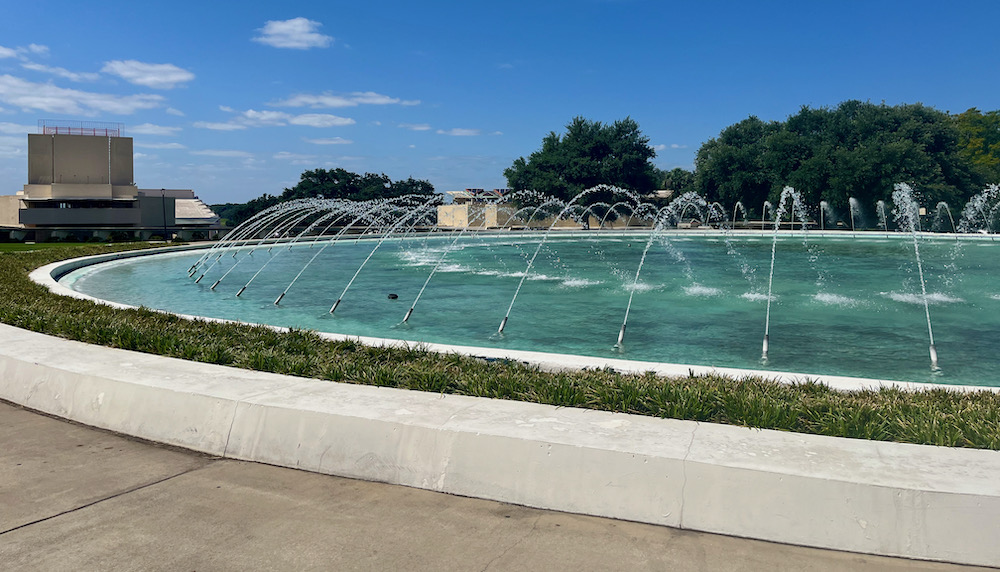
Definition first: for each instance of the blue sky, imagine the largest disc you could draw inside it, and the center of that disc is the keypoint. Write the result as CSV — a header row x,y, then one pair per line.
x,y
236,99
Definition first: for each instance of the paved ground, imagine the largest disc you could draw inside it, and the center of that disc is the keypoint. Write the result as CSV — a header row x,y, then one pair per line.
x,y
76,498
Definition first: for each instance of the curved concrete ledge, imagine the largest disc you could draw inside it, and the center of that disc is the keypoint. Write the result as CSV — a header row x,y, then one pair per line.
x,y
880,498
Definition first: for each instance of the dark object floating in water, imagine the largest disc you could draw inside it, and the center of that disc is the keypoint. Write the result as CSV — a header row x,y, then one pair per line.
x,y
393,296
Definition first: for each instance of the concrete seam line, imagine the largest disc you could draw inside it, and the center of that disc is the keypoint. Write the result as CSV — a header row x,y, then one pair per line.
x,y
107,498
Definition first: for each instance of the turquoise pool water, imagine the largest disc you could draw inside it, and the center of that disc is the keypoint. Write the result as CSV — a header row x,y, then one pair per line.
x,y
840,306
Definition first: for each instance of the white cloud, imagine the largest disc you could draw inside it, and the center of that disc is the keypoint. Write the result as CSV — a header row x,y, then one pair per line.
x,y
38,49
219,126
295,158
61,72
176,112
320,120
150,129
7,53
659,147
223,153
676,146
329,141
255,118
17,129
160,145
297,33
332,100
459,132
31,96
156,76
416,126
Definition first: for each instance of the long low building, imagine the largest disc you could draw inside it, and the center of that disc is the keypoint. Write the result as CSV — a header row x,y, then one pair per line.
x,y
81,185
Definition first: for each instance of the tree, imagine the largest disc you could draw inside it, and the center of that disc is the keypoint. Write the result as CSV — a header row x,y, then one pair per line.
x,y
329,184
979,141
588,154
857,150
677,180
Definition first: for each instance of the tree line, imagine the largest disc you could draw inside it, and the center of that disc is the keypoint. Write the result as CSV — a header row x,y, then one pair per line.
x,y
856,149
329,184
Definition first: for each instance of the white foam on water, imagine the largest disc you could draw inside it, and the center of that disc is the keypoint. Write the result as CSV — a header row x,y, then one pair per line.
x,y
757,297
639,287
579,282
699,290
835,299
995,296
932,298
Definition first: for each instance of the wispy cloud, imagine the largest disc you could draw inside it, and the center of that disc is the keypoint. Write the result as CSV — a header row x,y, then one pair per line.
x,y
156,76
297,33
328,100
219,126
320,120
16,128
459,132
329,141
159,145
21,51
61,72
150,129
295,158
176,112
255,118
31,96
416,126
223,153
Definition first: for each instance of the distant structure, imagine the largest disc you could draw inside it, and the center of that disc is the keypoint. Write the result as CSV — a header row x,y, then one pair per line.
x,y
81,185
476,208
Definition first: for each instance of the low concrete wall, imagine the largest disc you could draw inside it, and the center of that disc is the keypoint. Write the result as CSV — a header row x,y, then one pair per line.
x,y
880,498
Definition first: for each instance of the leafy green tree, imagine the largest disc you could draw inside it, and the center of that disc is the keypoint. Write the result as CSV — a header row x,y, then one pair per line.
x,y
329,184
979,141
677,180
732,167
588,154
857,149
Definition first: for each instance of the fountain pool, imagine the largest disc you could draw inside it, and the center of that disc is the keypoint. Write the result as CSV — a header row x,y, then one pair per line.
x,y
840,305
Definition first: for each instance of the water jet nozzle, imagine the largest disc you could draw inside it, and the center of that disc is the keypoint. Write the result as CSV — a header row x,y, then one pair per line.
x,y
503,324
241,291
216,284
621,334
408,314
280,296
764,354
934,361
199,279
335,304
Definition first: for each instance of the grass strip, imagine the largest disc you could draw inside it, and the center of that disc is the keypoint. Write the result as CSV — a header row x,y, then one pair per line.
x,y
933,416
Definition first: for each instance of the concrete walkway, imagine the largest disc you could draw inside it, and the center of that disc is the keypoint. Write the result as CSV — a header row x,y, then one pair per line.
x,y
77,498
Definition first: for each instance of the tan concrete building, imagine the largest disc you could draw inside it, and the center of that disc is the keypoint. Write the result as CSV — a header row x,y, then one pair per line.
x,y
81,181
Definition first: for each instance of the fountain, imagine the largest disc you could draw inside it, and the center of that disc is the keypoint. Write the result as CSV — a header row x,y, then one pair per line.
x,y
568,287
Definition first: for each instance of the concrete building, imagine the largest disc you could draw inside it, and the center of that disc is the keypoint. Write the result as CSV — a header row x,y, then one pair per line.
x,y
81,185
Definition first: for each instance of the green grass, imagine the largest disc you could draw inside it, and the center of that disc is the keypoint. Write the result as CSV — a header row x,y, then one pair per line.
x,y
932,416
29,247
